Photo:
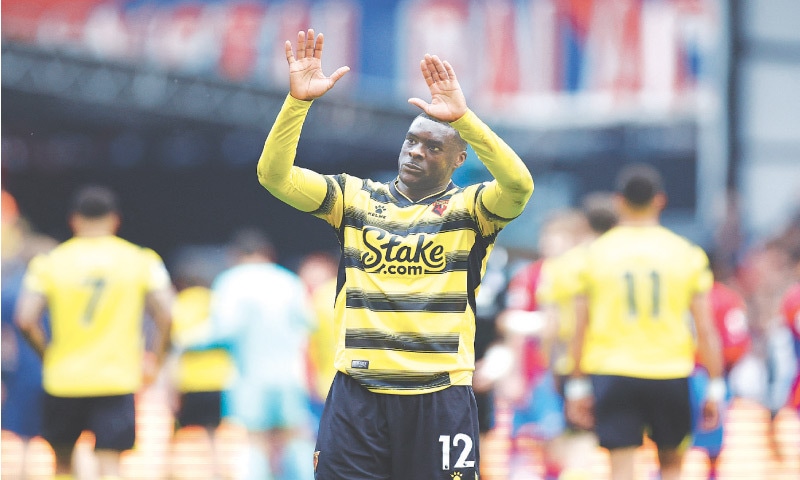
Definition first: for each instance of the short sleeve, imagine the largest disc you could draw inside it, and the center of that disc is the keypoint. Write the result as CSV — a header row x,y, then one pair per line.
x,y
704,278
157,276
36,277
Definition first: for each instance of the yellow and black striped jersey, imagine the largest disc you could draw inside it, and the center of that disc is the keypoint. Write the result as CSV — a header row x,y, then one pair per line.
x,y
411,275
410,271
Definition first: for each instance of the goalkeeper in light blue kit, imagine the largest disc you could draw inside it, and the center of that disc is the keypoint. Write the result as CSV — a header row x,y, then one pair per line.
x,y
261,315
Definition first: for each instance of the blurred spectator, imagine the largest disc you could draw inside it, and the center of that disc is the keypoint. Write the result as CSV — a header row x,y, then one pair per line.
x,y
790,309
488,303
260,314
21,368
95,286
765,275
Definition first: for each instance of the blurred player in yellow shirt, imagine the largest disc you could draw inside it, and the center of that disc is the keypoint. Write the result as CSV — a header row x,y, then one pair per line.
x,y
571,450
200,376
96,286
637,286
318,273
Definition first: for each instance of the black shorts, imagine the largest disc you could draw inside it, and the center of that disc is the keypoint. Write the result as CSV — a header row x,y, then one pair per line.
x,y
202,409
365,435
111,419
625,408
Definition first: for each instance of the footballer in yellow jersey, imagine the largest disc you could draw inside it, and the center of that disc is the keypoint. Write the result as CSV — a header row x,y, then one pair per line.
x,y
560,280
95,290
412,268
640,282
96,287
643,295
556,291
198,370
413,254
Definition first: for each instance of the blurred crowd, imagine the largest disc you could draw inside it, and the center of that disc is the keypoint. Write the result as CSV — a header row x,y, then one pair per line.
x,y
221,367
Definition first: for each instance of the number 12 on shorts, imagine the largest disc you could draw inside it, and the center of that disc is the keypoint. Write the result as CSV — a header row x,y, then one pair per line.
x,y
457,440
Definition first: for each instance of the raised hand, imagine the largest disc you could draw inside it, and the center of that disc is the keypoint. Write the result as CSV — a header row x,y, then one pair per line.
x,y
306,80
447,100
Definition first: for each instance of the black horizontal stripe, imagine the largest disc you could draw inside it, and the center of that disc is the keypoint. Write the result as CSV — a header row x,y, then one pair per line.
x,y
399,380
330,199
488,213
382,302
451,222
378,192
368,338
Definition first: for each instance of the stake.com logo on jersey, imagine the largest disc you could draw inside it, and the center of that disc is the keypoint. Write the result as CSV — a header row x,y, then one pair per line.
x,y
391,254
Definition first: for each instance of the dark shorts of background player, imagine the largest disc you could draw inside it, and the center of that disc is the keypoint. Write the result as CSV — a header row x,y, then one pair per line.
x,y
371,436
202,409
626,407
112,420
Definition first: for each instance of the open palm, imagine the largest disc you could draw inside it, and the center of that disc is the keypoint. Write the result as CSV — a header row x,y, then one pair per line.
x,y
306,80
447,99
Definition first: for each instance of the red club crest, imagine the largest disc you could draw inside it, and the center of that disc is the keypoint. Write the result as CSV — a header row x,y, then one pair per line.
x,y
439,206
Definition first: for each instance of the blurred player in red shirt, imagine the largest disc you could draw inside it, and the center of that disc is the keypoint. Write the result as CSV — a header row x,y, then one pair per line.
x,y
730,319
790,309
516,365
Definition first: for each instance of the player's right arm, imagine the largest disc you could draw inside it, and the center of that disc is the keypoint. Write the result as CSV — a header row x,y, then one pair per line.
x,y
300,188
27,316
30,307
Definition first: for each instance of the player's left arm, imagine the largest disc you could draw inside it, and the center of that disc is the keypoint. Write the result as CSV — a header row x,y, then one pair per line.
x,y
513,185
509,192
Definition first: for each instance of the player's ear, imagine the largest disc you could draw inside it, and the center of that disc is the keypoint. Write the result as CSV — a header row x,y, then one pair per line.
x,y
660,200
74,222
116,221
462,157
618,202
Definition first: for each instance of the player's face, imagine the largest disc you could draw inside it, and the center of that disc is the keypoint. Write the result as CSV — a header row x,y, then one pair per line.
x,y
428,158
